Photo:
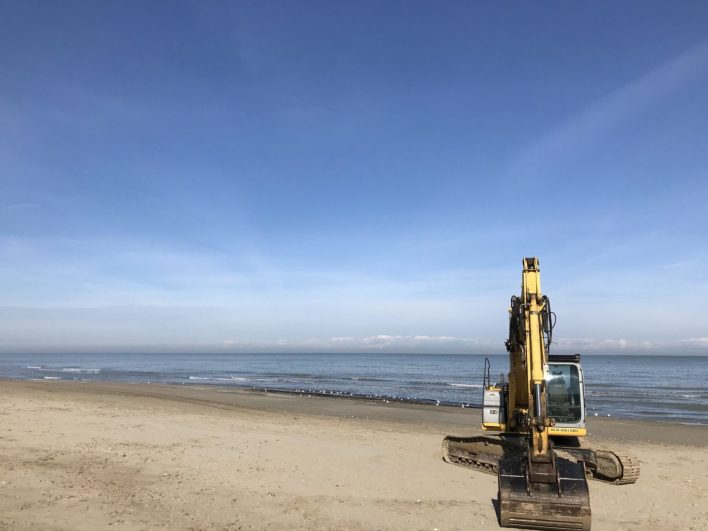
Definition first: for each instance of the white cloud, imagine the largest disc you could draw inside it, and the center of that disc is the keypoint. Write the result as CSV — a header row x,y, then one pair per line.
x,y
381,341
440,339
605,345
610,345
377,342
697,342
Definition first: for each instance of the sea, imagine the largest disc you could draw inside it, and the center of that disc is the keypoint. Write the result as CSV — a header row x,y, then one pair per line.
x,y
662,388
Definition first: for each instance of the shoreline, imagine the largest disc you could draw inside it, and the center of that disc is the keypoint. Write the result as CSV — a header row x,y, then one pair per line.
x,y
391,377
339,396
273,390
467,419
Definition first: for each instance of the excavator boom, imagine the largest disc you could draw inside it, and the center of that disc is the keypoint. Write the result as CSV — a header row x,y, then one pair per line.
x,y
537,488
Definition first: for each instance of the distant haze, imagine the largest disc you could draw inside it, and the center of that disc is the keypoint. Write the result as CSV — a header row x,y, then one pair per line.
x,y
351,177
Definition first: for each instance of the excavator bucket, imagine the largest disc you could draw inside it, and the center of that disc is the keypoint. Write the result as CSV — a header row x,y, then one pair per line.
x,y
562,504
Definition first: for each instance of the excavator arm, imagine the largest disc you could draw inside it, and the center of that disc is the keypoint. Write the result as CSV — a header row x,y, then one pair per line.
x,y
537,488
528,355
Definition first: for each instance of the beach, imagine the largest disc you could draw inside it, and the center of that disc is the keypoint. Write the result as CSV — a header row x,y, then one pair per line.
x,y
98,455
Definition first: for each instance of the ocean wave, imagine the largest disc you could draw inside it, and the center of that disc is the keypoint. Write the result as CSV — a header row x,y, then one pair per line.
x,y
219,378
423,378
65,369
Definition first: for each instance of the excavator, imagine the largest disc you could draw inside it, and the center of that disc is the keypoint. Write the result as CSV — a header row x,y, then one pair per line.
x,y
537,417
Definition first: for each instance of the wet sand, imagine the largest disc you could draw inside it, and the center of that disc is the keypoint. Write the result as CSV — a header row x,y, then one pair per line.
x,y
80,455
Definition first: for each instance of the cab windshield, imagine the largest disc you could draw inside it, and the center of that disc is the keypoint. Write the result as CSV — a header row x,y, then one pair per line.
x,y
563,392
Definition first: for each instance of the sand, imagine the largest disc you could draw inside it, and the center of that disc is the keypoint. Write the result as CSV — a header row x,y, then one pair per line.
x,y
119,456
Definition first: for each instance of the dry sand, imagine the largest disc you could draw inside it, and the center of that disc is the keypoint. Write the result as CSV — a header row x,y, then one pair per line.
x,y
119,456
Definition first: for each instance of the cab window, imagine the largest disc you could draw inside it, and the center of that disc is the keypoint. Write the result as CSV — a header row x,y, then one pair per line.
x,y
563,392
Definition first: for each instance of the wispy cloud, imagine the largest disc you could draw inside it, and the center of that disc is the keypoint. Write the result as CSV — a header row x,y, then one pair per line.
x,y
109,272
19,206
599,118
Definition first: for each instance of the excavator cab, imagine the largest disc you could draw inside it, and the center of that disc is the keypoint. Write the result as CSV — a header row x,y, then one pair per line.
x,y
565,394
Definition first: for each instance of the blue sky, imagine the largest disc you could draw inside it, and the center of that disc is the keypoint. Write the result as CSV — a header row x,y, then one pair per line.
x,y
331,176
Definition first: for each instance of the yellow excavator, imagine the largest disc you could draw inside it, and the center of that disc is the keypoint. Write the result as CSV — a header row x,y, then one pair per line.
x,y
537,416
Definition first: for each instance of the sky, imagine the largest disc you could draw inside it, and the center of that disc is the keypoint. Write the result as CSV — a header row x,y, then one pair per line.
x,y
351,176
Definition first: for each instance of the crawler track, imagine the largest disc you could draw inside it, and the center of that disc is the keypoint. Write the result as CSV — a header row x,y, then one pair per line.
x,y
484,454
630,469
